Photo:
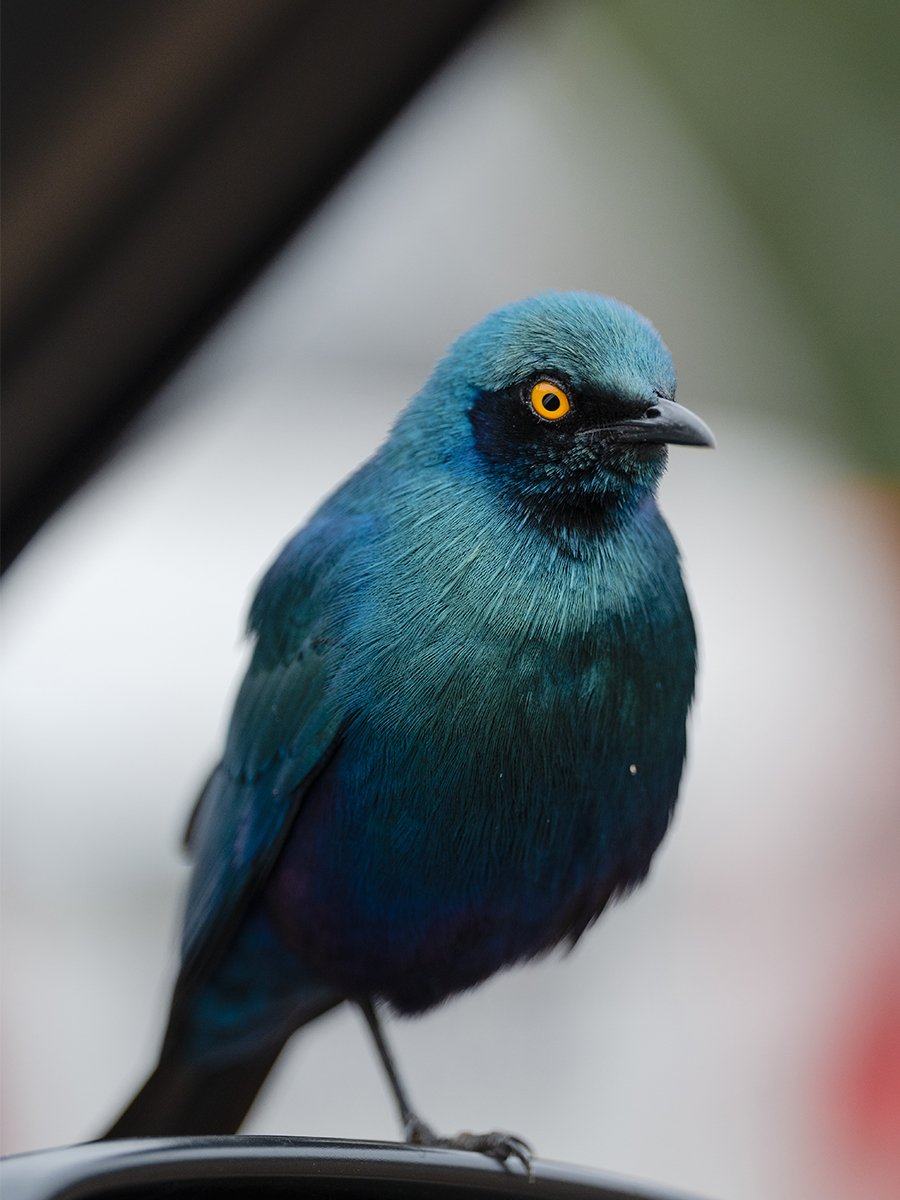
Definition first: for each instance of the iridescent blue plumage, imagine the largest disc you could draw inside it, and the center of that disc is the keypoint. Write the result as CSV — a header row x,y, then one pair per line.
x,y
463,726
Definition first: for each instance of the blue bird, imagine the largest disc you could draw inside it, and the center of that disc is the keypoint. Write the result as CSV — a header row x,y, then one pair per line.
x,y
462,730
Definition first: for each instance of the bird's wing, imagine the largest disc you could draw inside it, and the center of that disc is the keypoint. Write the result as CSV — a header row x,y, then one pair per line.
x,y
284,728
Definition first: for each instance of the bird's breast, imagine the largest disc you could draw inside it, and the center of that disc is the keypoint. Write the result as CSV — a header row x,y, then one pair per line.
x,y
512,759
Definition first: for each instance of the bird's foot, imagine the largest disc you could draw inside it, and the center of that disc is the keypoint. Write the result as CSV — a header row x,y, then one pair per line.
x,y
501,1146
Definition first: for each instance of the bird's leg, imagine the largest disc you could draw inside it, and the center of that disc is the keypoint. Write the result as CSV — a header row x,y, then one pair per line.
x,y
412,1125
417,1132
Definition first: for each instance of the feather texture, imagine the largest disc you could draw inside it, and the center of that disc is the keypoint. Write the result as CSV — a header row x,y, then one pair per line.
x,y
462,729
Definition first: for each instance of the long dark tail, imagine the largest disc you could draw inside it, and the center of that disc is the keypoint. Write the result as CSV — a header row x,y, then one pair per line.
x,y
183,1100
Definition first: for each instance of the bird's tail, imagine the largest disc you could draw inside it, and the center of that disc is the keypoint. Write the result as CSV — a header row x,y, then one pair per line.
x,y
182,1099
228,1024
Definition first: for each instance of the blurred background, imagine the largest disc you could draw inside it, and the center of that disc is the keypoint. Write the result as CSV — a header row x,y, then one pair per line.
x,y
727,169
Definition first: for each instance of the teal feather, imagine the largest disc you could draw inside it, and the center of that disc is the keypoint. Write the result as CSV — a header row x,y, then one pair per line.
x,y
462,729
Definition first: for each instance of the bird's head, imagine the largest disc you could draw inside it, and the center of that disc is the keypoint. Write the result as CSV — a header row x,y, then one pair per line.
x,y
567,400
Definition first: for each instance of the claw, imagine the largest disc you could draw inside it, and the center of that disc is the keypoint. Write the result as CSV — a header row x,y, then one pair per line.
x,y
501,1146
497,1145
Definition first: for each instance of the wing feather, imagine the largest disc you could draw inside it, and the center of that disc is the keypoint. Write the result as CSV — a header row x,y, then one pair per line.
x,y
284,729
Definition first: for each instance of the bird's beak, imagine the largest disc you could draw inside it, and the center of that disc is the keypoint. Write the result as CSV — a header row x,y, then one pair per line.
x,y
663,421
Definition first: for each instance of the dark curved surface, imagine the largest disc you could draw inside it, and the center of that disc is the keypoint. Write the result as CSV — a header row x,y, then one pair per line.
x,y
142,1169
156,156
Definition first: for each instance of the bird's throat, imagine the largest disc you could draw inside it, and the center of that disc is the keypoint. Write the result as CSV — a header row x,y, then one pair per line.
x,y
578,522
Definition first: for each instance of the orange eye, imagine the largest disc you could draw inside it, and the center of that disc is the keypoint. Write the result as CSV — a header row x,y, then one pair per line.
x,y
549,401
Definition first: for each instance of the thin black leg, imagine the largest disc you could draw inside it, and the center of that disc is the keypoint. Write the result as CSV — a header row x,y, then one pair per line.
x,y
501,1146
407,1117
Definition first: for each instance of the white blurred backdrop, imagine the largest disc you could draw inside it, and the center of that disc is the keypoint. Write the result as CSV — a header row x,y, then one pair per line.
x,y
712,1032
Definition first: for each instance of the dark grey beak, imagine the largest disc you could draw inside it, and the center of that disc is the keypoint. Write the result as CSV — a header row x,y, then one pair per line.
x,y
663,421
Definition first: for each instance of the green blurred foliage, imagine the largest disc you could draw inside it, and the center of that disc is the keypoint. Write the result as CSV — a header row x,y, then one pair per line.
x,y
796,102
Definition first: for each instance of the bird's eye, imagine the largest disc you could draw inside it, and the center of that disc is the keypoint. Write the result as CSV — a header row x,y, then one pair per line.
x,y
549,401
